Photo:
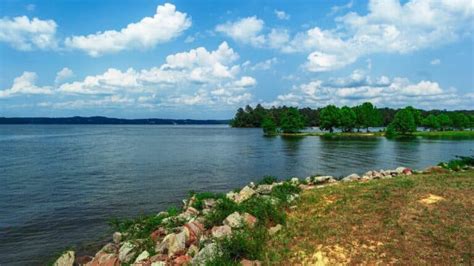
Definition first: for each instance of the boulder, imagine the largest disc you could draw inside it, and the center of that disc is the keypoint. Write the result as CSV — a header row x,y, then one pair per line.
x,y
158,263
193,250
234,220
176,243
317,180
275,229
110,248
351,177
246,262
249,219
143,256
157,234
127,252
264,189
209,203
182,260
83,260
104,259
193,231
188,214
66,259
221,231
245,194
295,181
205,254
407,171
117,237
399,170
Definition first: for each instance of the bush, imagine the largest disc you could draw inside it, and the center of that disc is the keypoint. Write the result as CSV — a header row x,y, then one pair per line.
x,y
458,164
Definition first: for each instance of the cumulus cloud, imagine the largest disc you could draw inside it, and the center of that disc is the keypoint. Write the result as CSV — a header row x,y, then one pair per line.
x,y
63,74
25,85
25,34
195,77
383,91
246,30
165,25
263,65
282,15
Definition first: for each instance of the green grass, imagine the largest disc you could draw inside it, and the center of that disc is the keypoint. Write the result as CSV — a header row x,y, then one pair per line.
x,y
445,134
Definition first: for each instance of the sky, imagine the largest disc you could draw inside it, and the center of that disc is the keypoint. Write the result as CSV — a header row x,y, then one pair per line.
x,y
204,59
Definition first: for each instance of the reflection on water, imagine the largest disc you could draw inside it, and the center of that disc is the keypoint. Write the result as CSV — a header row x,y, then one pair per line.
x,y
68,180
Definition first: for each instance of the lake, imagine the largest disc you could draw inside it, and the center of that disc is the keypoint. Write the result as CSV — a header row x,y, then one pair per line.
x,y
60,184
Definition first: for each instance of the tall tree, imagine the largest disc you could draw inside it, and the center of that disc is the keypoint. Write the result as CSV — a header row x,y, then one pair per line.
x,y
431,122
444,121
367,116
404,122
416,115
329,118
292,121
347,119
269,126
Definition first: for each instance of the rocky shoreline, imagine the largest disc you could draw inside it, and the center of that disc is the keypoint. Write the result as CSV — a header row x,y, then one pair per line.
x,y
197,234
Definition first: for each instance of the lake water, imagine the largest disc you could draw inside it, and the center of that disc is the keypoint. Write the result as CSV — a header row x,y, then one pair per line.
x,y
60,184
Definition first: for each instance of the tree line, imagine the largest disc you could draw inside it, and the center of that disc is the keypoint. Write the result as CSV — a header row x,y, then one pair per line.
x,y
349,119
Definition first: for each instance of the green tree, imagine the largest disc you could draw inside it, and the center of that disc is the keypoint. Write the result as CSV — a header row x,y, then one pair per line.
x,y
347,120
292,121
444,121
404,122
416,115
459,120
269,126
431,122
329,118
367,116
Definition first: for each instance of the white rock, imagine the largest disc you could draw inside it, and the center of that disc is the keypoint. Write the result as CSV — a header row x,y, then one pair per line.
x,y
351,177
66,259
273,230
176,243
221,231
127,252
323,179
158,263
234,220
205,254
143,256
264,189
295,181
117,237
245,194
400,170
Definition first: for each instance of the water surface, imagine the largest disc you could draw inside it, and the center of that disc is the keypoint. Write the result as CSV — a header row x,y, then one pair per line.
x,y
60,184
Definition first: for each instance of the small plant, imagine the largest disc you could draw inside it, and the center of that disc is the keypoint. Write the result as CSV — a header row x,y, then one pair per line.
x,y
458,164
267,180
264,210
223,209
283,192
200,197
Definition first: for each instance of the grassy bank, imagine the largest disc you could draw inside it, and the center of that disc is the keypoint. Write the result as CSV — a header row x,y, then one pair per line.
x,y
445,134
416,219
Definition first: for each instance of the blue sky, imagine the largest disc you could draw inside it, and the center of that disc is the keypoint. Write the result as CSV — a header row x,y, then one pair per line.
x,y
204,59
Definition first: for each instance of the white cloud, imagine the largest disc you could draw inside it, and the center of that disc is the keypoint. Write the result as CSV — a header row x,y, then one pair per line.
x,y
282,15
195,77
435,62
63,74
383,91
246,30
337,9
164,26
263,65
24,34
31,7
25,84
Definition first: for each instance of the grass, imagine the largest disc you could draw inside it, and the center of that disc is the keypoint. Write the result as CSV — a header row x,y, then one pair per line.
x,y
381,222
445,134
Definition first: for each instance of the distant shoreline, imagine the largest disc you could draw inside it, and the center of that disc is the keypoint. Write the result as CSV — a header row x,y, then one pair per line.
x,y
101,120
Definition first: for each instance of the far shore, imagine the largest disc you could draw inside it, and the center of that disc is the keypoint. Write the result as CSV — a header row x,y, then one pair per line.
x,y
427,134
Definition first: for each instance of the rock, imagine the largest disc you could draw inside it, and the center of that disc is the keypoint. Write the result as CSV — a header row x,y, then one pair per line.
x,y
295,181
221,231
83,260
234,220
252,185
176,243
209,203
407,171
275,229
193,250
143,256
158,258
188,214
127,252
376,175
352,177
399,170
205,254
117,237
66,259
245,194
163,214
110,248
249,219
193,231
104,259
365,178
158,263
264,189
157,234
317,180
182,260
246,262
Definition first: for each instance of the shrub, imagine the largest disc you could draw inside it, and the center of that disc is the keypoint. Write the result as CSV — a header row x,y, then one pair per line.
x,y
458,164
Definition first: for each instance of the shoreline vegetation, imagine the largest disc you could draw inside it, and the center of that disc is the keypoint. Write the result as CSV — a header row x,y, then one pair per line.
x,y
352,121
380,217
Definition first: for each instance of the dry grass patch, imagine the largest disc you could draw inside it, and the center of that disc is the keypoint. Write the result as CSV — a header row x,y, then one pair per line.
x,y
420,219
